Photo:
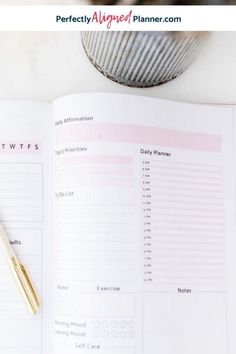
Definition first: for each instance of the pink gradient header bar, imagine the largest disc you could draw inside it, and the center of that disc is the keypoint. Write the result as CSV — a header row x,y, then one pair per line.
x,y
98,159
95,169
135,134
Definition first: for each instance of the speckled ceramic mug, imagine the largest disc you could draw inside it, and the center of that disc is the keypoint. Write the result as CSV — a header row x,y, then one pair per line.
x,y
142,59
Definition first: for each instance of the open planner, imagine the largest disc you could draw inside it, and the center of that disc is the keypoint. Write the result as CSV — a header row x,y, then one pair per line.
x,y
123,210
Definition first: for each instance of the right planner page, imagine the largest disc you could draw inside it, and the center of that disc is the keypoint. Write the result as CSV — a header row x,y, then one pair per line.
x,y
145,230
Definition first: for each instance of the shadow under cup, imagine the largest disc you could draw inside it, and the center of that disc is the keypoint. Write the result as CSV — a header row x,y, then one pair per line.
x,y
142,59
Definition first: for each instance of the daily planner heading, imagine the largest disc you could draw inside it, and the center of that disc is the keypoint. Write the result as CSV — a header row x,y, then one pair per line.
x,y
122,208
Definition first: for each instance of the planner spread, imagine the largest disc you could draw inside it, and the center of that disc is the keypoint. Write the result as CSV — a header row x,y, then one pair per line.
x,y
123,210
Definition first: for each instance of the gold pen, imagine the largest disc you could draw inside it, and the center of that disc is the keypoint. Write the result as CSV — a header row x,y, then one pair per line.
x,y
20,275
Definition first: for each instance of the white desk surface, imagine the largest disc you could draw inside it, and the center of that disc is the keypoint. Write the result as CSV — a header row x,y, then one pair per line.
x,y
46,65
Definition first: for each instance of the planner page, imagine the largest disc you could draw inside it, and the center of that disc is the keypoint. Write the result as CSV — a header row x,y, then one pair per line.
x,y
25,186
145,226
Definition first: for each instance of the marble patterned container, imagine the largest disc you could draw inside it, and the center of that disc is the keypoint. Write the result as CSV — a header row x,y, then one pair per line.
x,y
142,59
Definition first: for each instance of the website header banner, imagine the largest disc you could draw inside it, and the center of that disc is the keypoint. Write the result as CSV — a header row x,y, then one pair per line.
x,y
117,18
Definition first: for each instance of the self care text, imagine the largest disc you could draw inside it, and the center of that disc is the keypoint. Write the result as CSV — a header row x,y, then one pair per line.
x,y
103,18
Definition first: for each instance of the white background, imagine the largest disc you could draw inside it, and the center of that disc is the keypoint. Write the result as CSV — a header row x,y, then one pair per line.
x,y
46,65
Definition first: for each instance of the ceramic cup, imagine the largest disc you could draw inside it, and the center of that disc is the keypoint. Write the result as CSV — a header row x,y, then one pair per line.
x,y
142,59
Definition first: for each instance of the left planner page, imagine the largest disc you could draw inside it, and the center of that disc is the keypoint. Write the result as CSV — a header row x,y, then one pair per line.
x,y
25,160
